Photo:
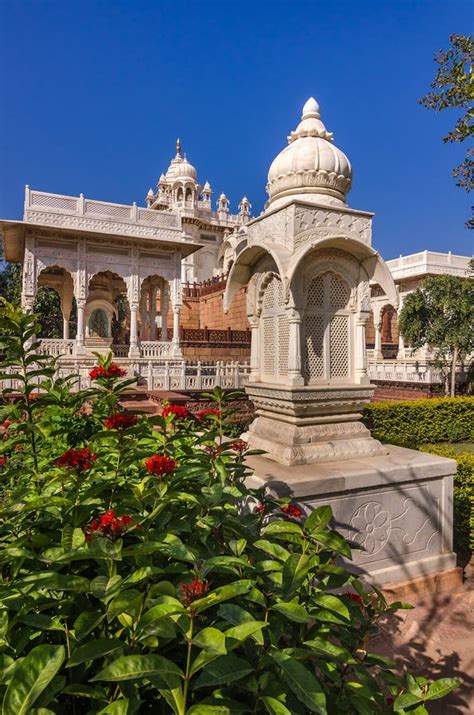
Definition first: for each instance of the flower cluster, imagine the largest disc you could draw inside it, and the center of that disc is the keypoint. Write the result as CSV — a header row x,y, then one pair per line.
x,y
109,525
113,370
239,445
120,420
160,464
260,508
80,459
208,412
178,411
292,510
192,591
6,424
3,461
213,450
355,597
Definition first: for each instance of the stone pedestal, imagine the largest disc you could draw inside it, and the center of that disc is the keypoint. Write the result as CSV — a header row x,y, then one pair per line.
x,y
397,507
301,425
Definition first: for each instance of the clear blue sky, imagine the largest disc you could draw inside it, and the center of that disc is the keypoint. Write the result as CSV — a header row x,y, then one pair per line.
x,y
94,94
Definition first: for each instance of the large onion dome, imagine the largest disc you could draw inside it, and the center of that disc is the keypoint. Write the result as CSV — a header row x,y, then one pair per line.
x,y
311,167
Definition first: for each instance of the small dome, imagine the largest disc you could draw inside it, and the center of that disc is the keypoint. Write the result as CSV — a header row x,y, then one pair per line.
x,y
180,168
311,166
207,186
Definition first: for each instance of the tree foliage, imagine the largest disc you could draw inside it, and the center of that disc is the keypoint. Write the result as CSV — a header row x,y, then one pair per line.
x,y
137,577
440,315
453,87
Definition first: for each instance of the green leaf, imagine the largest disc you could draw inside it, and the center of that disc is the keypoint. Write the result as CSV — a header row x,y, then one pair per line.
x,y
31,676
275,550
295,571
134,667
242,632
274,706
332,603
292,610
224,670
224,593
209,710
162,610
210,639
119,707
330,649
302,682
86,622
59,582
95,649
81,690
333,541
72,538
318,518
405,700
441,687
282,527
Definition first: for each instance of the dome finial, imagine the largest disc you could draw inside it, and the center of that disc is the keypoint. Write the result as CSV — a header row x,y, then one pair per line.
x,y
311,109
178,147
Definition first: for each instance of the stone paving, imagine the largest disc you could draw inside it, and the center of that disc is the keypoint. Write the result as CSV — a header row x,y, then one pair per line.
x,y
436,639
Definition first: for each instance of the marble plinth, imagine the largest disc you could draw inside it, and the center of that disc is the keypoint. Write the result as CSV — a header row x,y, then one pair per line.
x,y
397,507
303,425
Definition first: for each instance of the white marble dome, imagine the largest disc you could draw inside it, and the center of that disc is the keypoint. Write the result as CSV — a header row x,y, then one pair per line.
x,y
180,168
311,166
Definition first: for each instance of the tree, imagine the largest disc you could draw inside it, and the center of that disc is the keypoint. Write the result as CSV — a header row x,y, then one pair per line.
x,y
453,87
440,315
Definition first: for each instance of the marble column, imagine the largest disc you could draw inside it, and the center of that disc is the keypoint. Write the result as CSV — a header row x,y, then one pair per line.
x,y
65,328
164,311
80,348
295,373
361,375
176,336
378,338
254,361
134,350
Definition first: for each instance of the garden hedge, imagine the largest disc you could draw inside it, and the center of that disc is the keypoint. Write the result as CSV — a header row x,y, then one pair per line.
x,y
463,494
414,422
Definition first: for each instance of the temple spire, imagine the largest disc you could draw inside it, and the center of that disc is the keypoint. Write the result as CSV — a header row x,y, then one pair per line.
x,y
178,147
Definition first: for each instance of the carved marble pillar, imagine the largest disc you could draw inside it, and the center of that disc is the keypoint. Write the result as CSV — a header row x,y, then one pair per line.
x,y
360,364
254,361
295,373
81,304
164,300
378,337
29,278
176,305
134,350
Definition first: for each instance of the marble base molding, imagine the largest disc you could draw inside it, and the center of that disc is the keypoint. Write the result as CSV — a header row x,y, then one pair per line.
x,y
302,425
395,509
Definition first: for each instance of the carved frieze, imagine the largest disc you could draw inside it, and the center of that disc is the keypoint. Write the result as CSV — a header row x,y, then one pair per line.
x,y
314,223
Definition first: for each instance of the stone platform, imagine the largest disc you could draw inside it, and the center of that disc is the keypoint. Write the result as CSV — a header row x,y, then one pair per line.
x,y
396,507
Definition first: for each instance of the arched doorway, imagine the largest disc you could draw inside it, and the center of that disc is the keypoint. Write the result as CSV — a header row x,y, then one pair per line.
x,y
107,314
55,304
99,325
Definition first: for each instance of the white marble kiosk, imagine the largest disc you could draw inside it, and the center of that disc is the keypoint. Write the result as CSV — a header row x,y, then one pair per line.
x,y
307,267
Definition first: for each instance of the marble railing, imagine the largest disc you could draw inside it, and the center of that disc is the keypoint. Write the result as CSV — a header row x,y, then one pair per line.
x,y
155,349
416,371
57,347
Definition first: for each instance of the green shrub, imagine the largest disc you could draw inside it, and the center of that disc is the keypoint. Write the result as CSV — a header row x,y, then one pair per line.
x,y
414,422
463,494
136,577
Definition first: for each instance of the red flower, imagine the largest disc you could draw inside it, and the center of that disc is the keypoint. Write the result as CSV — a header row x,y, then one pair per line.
x,y
120,420
355,597
239,445
203,414
113,370
258,509
109,525
292,510
80,459
160,464
212,451
6,424
190,592
3,461
179,412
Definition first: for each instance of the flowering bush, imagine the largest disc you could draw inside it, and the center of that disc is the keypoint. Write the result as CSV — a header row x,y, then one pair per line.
x,y
122,593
